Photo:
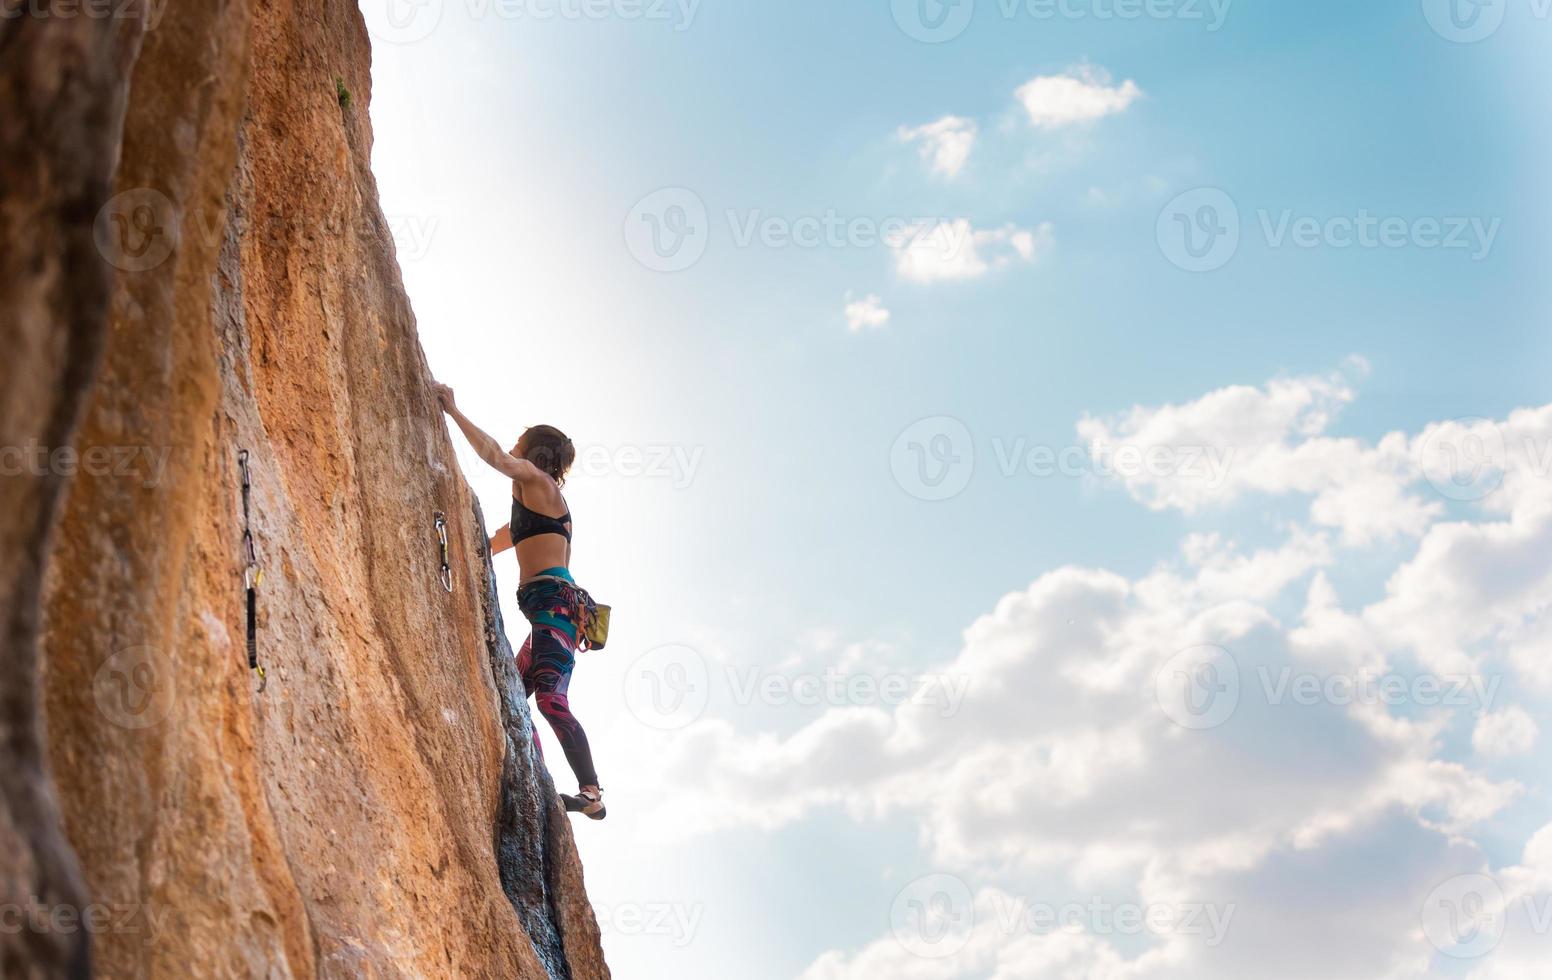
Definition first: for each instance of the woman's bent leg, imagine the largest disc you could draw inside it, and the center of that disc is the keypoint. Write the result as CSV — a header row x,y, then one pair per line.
x,y
524,670
548,677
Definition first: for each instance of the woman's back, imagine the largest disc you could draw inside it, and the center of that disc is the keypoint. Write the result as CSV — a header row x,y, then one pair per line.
x,y
541,527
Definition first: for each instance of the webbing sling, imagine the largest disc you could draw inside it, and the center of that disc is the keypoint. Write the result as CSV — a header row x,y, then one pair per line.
x,y
252,573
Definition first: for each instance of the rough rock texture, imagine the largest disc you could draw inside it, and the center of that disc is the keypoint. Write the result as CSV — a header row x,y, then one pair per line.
x,y
61,104
377,811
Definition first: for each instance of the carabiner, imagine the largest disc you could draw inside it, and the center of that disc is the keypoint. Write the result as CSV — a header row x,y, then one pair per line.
x,y
446,574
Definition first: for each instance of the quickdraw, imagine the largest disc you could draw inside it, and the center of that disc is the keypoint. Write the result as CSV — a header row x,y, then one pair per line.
x,y
252,573
447,568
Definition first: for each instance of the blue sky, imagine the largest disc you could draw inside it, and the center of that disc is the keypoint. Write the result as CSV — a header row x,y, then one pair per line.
x,y
746,506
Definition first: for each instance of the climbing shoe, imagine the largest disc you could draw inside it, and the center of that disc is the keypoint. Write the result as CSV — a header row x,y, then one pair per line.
x,y
588,802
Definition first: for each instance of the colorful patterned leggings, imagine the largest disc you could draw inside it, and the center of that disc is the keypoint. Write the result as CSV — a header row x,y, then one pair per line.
x,y
545,663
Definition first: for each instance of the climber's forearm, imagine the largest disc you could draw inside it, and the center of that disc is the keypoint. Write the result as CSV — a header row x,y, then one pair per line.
x,y
487,448
501,540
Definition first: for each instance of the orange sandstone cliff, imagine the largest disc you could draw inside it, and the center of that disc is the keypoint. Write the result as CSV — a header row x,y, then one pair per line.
x,y
193,263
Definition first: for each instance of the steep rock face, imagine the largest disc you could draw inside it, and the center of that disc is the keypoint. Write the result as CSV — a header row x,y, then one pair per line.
x,y
377,810
61,107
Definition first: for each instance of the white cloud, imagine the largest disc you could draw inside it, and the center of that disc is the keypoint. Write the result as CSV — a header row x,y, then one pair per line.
x,y
1530,651
1081,94
1223,573
867,313
1078,774
1331,638
1274,440
1469,584
945,144
1060,717
1234,926
1511,731
1328,817
948,251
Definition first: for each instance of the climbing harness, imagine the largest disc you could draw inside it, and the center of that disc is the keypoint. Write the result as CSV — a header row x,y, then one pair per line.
x,y
252,573
447,568
590,615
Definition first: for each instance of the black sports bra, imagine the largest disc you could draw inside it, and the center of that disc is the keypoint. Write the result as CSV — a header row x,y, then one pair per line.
x,y
527,524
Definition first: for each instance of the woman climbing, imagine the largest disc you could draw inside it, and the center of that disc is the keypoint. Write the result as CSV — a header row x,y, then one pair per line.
x,y
548,596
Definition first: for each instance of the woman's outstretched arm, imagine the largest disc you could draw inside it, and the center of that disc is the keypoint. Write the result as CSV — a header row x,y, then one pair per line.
x,y
488,449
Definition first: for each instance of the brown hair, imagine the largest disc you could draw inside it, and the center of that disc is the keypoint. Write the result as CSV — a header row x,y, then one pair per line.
x,y
548,448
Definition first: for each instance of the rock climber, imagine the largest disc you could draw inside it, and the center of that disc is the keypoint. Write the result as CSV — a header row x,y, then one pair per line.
x,y
548,596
